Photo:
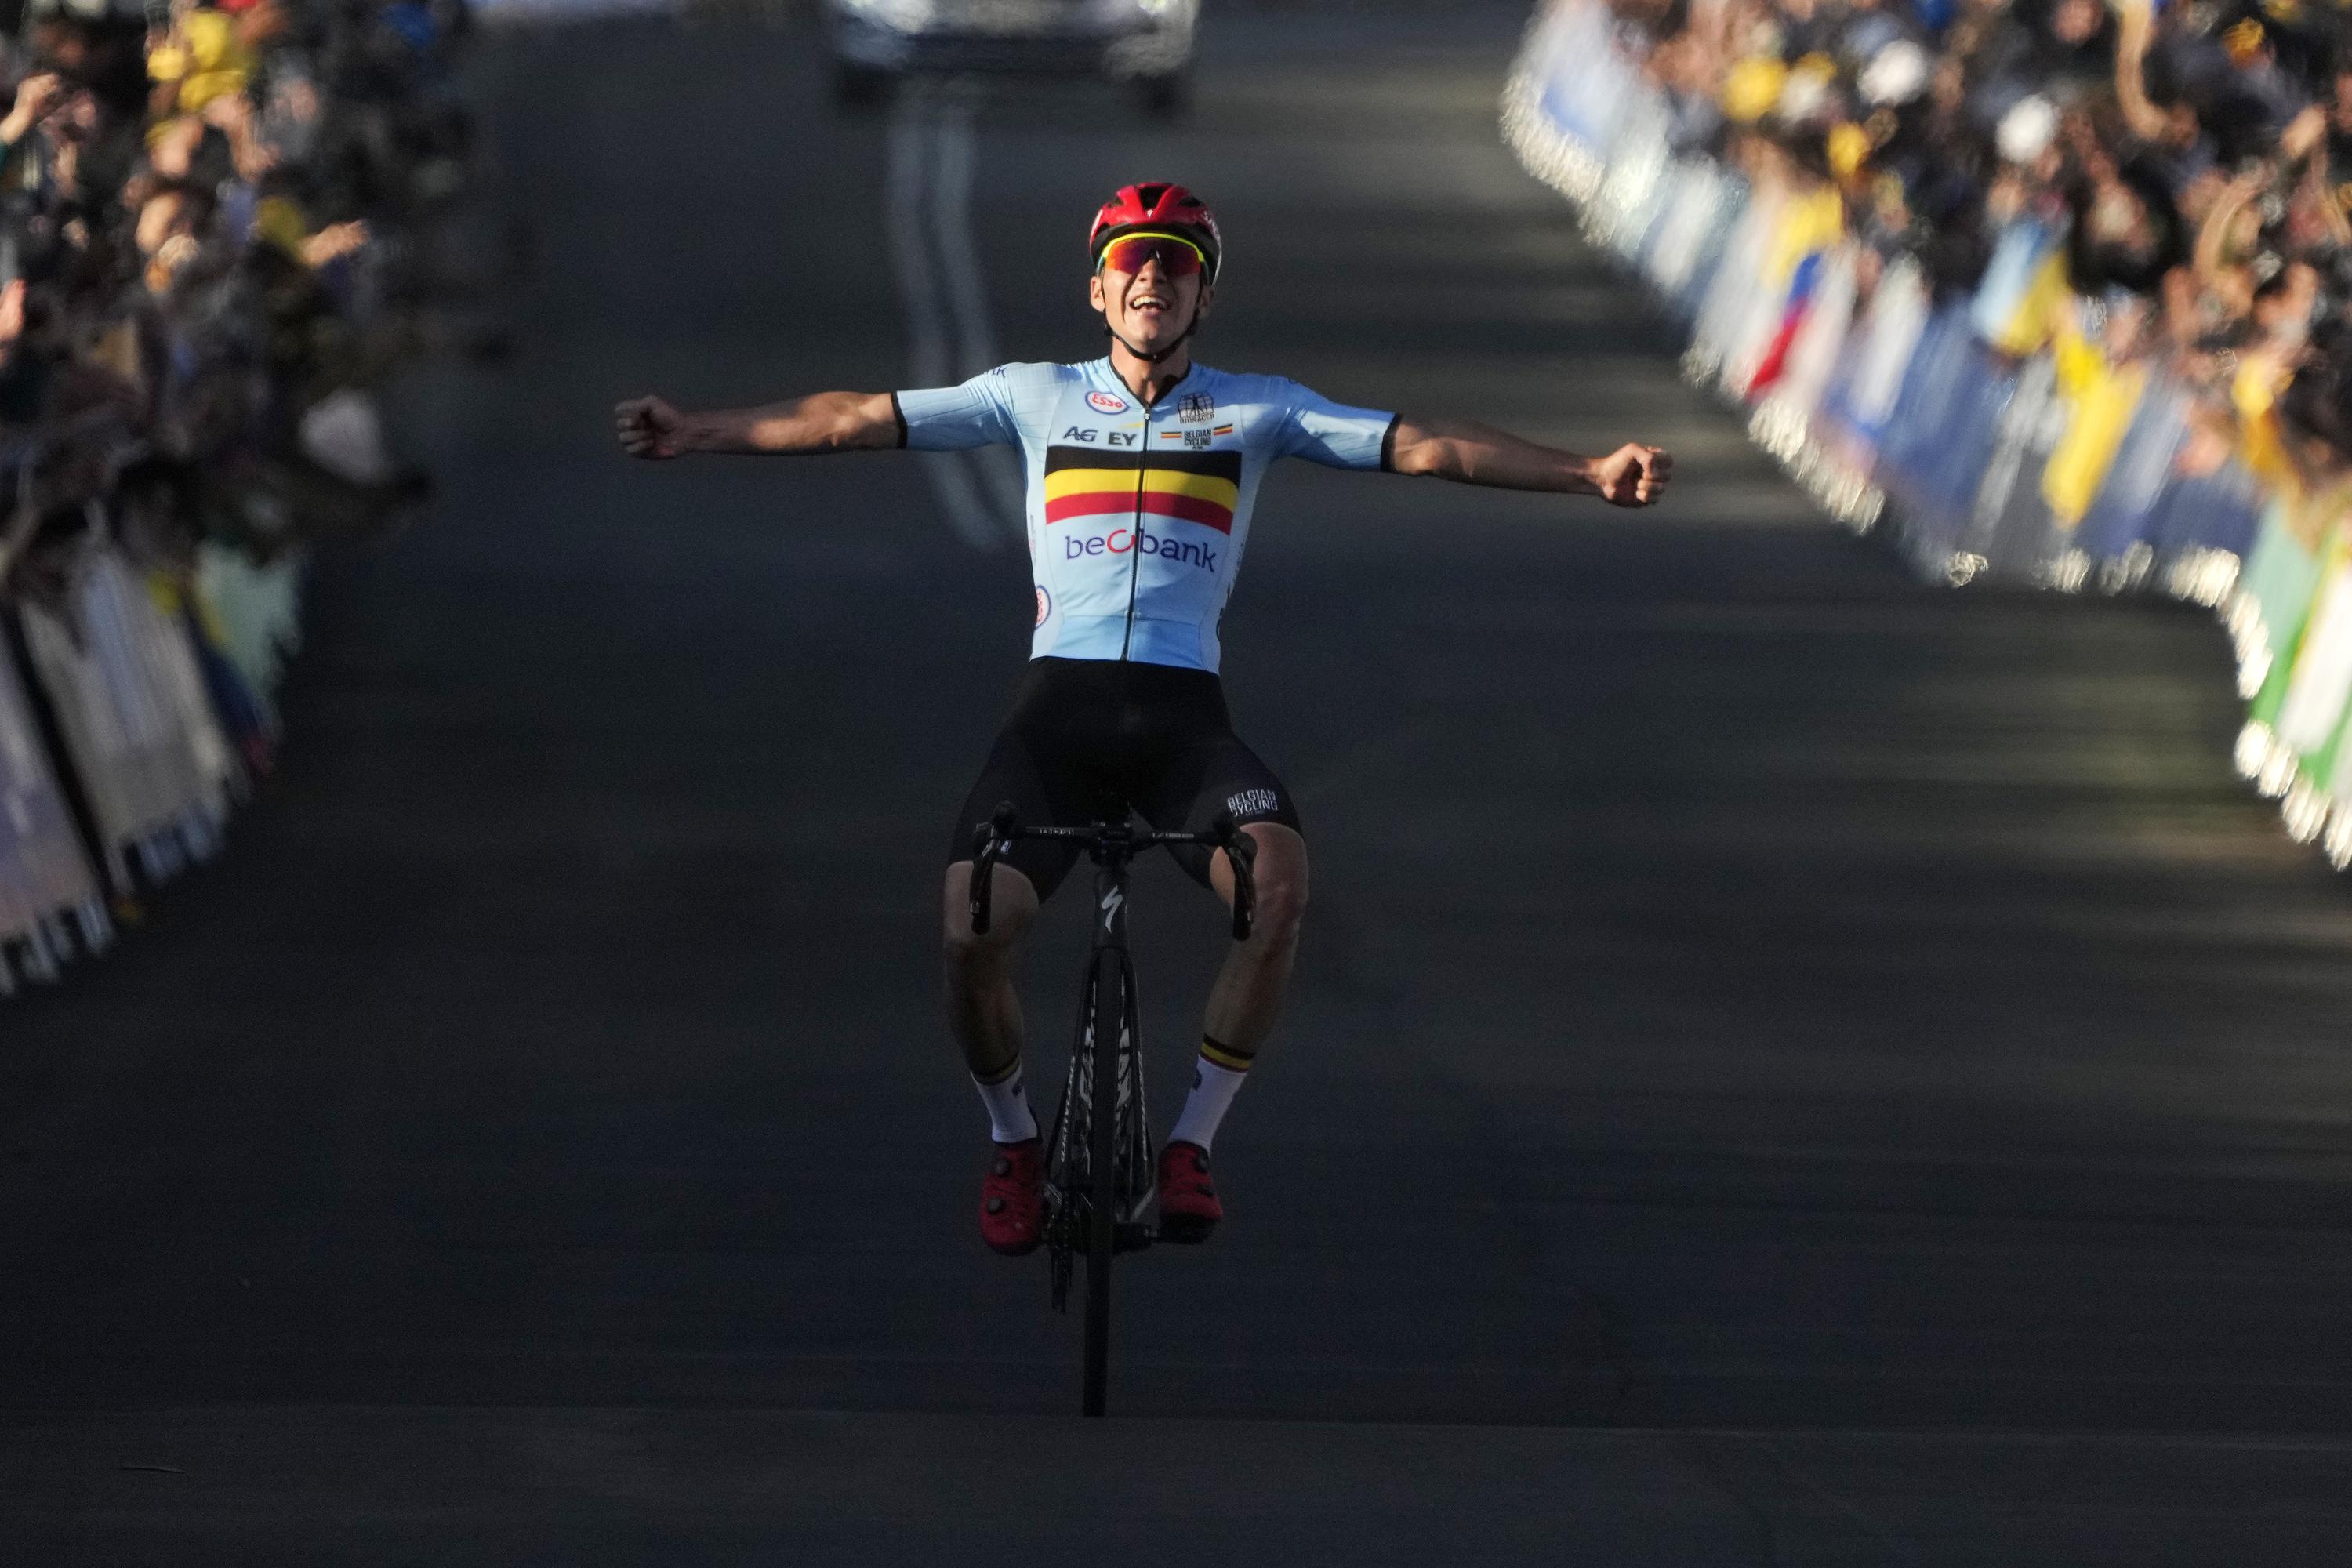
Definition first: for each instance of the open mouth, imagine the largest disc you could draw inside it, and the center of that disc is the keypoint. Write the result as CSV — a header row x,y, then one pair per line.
x,y
1148,304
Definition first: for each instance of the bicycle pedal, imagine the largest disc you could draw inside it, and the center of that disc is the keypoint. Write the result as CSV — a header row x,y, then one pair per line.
x,y
1185,1230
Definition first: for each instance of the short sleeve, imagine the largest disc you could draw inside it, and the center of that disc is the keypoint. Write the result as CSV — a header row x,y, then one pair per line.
x,y
951,418
1337,436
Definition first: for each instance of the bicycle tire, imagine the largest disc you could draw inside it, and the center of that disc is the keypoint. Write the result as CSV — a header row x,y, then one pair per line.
x,y
1109,999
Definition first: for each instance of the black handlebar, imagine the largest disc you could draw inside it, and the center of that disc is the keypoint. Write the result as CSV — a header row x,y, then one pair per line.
x,y
990,839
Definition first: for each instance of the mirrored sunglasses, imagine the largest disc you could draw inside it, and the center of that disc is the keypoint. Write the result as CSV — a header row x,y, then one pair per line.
x,y
1177,258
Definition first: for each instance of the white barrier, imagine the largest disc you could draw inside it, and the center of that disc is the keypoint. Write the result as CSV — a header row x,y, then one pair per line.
x,y
1993,449
158,702
45,879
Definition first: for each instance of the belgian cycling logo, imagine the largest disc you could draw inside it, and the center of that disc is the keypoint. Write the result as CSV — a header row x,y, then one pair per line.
x,y
1196,408
1253,803
1104,403
1044,604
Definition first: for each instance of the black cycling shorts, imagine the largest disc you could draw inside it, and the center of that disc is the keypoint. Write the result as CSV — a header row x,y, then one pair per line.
x,y
1091,739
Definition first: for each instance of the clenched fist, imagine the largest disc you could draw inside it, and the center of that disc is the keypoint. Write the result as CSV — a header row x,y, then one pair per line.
x,y
1632,475
649,428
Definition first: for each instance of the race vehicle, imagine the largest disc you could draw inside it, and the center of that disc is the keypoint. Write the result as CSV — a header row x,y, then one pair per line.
x,y
1147,43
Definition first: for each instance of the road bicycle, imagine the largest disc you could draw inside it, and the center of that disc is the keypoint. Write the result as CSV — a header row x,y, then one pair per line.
x,y
1099,1174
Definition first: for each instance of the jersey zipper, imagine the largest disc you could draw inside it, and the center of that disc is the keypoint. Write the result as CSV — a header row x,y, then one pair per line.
x,y
1135,549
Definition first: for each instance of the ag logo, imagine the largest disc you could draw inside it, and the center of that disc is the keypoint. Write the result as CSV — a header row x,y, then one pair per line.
x,y
1104,403
1196,408
1044,604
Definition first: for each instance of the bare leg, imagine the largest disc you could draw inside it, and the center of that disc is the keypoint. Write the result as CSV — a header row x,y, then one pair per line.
x,y
984,1009
1241,1008
1249,989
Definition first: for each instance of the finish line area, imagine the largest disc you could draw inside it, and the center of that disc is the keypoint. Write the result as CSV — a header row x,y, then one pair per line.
x,y
596,1487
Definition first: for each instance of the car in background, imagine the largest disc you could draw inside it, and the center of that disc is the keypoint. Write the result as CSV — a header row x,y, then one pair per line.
x,y
1145,43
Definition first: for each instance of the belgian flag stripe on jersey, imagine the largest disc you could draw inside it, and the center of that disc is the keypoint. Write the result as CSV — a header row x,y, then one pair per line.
x,y
1191,509
1089,503
1197,487
1151,502
1205,487
1223,465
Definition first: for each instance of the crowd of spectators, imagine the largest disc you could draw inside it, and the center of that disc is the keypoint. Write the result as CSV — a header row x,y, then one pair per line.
x,y
2191,160
221,226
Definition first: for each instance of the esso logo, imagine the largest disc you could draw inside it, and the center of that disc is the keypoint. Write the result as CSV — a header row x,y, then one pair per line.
x,y
1104,403
1044,604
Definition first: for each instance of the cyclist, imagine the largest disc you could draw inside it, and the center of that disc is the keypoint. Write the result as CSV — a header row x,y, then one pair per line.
x,y
1142,467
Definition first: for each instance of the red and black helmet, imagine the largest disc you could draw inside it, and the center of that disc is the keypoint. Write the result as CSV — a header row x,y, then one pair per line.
x,y
1156,207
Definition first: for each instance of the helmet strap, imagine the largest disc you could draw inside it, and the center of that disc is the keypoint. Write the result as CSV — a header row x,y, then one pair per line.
x,y
1147,357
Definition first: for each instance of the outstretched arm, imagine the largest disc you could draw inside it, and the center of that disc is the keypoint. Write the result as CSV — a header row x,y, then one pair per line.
x,y
1475,454
2136,22
822,422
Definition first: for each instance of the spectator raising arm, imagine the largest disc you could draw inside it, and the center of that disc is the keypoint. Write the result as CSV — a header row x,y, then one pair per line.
x,y
2135,24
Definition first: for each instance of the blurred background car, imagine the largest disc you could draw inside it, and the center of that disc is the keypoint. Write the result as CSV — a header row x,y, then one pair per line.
x,y
1145,43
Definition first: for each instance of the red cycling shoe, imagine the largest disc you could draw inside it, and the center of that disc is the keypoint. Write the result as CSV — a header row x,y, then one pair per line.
x,y
1188,1209
1013,1198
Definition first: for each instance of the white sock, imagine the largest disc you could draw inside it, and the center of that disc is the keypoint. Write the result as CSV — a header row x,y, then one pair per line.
x,y
1009,1121
1214,1088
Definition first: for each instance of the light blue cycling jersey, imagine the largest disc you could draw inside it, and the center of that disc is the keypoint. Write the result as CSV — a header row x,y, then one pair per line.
x,y
1136,516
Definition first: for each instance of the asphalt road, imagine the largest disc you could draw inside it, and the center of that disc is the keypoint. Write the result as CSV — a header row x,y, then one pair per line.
x,y
1786,1066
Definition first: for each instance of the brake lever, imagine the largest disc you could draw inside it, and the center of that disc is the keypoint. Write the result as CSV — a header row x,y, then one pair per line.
x,y
989,840
1240,853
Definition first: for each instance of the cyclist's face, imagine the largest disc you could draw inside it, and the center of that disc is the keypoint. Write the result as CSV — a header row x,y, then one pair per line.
x,y
1151,306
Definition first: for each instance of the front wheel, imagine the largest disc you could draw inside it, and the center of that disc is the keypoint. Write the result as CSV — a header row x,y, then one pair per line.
x,y
1105,1026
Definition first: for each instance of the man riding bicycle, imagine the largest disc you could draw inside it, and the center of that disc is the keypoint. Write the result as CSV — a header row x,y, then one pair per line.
x,y
1142,467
